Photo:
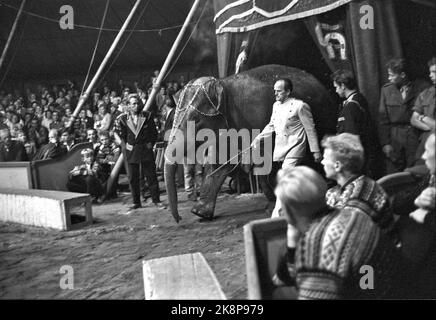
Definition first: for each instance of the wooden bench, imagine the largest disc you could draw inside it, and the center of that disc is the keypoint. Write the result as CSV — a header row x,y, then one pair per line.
x,y
52,209
181,277
49,174
52,174
263,240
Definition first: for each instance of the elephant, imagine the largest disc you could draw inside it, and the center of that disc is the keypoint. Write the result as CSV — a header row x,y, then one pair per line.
x,y
239,101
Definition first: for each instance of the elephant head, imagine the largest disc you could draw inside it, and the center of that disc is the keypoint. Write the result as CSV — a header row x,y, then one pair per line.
x,y
201,107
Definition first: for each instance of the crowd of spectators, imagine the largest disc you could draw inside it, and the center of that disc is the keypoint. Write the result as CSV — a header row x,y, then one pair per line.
x,y
39,124
30,115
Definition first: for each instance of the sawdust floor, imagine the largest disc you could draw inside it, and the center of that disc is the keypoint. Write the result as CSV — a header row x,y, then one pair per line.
x,y
107,256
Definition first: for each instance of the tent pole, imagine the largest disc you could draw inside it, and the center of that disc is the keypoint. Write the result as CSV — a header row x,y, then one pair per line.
x,y
11,34
103,64
167,62
156,86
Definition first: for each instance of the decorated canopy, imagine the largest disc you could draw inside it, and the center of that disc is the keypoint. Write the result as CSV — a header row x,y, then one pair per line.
x,y
322,36
247,15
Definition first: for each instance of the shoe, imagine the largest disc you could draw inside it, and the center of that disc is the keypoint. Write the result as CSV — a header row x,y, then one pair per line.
x,y
135,206
159,205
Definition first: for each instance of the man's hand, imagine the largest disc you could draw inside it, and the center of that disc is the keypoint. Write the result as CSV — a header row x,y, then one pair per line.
x,y
418,215
387,150
317,156
426,200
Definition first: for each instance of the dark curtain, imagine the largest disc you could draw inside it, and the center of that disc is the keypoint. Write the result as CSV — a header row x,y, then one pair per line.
x,y
330,37
368,50
229,47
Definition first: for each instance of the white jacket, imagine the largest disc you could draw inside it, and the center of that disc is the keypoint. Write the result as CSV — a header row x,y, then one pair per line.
x,y
293,124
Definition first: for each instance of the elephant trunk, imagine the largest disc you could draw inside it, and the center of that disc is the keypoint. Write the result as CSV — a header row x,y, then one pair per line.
x,y
170,183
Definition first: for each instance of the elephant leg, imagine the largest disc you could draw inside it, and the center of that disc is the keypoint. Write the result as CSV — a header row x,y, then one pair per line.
x,y
211,185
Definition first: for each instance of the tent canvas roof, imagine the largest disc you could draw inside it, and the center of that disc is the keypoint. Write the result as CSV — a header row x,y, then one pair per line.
x,y
40,46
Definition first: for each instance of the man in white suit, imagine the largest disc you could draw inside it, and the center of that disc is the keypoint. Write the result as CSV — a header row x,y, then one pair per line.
x,y
293,124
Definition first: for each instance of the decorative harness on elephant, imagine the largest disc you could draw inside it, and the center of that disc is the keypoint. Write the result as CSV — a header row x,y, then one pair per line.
x,y
179,118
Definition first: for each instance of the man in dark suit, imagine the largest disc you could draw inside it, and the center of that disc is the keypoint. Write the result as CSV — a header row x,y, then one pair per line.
x,y
37,133
11,150
138,133
67,140
398,138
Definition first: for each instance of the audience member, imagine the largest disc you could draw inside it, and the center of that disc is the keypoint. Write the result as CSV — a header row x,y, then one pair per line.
x,y
67,140
81,125
354,117
37,133
418,229
53,149
329,247
11,150
103,118
423,117
93,137
56,123
47,119
29,145
107,152
397,98
343,162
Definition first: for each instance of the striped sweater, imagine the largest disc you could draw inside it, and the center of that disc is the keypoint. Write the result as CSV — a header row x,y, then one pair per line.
x,y
330,255
366,190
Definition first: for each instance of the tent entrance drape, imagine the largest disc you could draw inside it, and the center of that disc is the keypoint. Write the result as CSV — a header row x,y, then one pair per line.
x,y
366,51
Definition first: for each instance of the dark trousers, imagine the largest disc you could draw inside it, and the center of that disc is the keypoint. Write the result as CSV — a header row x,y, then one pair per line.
x,y
149,170
419,253
85,184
